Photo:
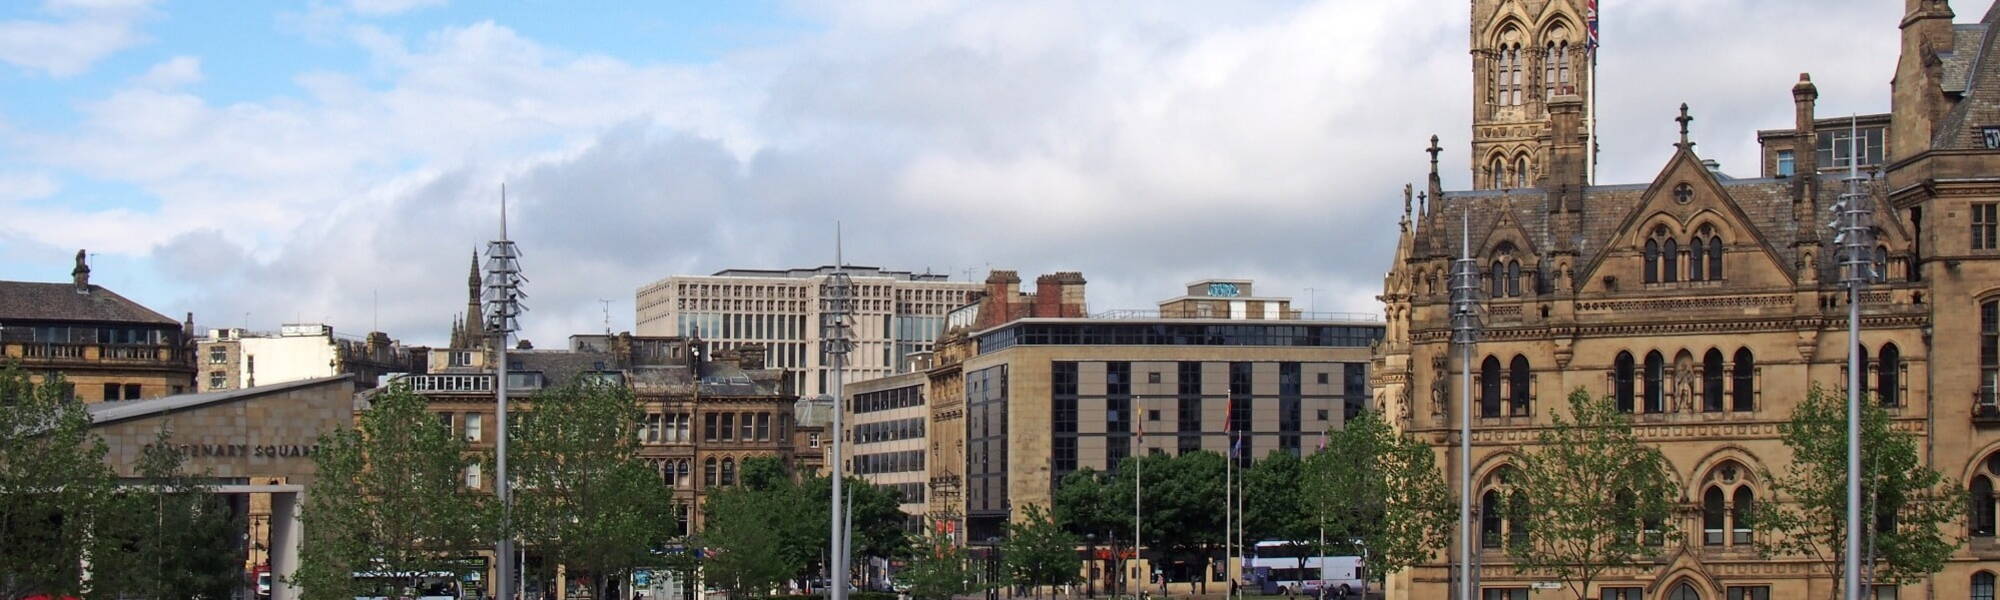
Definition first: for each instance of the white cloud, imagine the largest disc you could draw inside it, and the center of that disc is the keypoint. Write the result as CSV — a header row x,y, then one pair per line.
x,y
172,73
26,186
1145,148
85,32
390,7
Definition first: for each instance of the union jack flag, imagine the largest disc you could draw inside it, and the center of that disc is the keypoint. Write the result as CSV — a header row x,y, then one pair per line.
x,y
1590,20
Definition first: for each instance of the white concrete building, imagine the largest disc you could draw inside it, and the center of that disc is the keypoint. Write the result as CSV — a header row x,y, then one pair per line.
x,y
897,313
230,359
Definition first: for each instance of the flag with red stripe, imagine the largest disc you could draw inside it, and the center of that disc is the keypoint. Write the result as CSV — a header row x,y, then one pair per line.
x,y
1590,19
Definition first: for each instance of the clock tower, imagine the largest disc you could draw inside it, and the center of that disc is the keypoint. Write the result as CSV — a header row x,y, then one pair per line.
x,y
1524,54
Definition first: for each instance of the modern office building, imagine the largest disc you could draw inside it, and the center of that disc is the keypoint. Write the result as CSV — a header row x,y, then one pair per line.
x,y
1032,398
229,359
1708,305
886,420
896,313
105,346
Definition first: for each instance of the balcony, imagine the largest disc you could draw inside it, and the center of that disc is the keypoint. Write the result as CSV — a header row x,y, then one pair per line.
x,y
447,384
85,355
1985,411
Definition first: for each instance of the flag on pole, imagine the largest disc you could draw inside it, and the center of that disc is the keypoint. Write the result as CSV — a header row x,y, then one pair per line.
x,y
1590,20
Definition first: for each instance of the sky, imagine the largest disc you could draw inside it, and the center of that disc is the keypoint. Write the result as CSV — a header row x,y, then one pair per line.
x,y
338,161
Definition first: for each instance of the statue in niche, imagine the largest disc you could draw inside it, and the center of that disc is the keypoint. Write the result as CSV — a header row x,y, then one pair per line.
x,y
1440,394
1684,383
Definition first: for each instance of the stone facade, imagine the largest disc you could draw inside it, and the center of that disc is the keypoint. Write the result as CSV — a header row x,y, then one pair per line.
x,y
1709,305
1524,54
105,346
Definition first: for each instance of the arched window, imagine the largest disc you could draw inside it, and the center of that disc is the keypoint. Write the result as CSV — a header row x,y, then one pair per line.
x,y
1670,261
729,471
1982,586
1711,381
685,476
1513,278
1684,592
1499,171
1656,389
1514,75
1517,379
708,472
1622,381
1497,278
1489,519
1517,531
1981,515
1652,266
1881,273
1489,387
1739,512
1888,375
1866,368
1695,263
1549,61
1521,172
1712,516
1715,258
1743,381
1989,351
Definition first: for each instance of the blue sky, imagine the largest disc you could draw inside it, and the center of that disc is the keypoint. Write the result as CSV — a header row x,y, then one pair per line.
x,y
293,161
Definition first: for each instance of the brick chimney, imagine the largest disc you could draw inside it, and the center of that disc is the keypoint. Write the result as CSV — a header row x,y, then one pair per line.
x,y
1048,296
1805,155
81,274
1071,298
1565,176
1002,288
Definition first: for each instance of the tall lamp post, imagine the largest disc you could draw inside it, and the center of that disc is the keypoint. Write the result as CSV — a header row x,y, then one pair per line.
x,y
1465,333
837,295
503,306
1857,269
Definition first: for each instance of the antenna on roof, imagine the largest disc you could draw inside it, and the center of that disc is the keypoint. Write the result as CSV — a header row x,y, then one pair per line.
x,y
607,315
838,262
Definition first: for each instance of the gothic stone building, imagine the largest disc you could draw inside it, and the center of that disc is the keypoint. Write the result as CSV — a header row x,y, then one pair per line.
x,y
1706,305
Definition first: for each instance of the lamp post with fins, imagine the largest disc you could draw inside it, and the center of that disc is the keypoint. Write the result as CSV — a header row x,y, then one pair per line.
x,y
1465,333
1853,242
836,296
503,305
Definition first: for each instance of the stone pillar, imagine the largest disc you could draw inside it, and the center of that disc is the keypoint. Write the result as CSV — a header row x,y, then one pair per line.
x,y
286,534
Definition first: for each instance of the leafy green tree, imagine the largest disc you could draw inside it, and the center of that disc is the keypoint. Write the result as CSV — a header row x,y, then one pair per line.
x,y
880,525
1274,508
53,485
1182,499
586,500
1038,552
744,533
938,569
389,496
1912,503
171,538
1384,490
1590,496
1086,505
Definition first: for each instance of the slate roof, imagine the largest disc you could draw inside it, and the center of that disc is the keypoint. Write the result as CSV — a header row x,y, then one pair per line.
x,y
1973,70
1765,202
35,301
110,412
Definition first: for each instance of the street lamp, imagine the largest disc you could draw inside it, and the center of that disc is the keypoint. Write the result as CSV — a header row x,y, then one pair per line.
x,y
1857,269
1089,582
993,568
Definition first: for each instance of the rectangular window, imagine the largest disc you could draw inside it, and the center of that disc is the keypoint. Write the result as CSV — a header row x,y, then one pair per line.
x,y
812,441
1504,593
448,419
131,391
473,427
1986,225
710,430
1786,164
217,380
111,392
1153,377
763,427
217,355
1750,592
1624,593
472,476
1989,352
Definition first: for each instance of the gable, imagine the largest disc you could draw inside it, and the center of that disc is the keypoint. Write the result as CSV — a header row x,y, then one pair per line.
x,y
1661,210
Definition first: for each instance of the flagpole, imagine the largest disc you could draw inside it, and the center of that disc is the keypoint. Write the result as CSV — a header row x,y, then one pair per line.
x,y
1590,103
1229,500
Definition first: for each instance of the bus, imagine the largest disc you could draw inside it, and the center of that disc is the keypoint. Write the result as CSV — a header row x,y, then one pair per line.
x,y
434,585
1294,569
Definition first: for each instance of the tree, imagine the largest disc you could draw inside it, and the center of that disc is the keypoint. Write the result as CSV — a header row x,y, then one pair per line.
x,y
745,537
389,496
1038,552
880,525
586,500
1912,503
53,485
938,569
1381,489
171,538
1273,508
1590,496
1182,497
1085,504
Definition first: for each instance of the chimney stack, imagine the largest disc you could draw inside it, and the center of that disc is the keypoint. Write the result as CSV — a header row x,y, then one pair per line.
x,y
1565,177
1805,156
81,274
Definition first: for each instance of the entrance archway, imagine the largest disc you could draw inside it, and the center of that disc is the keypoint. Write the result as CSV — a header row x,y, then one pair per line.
x,y
1683,591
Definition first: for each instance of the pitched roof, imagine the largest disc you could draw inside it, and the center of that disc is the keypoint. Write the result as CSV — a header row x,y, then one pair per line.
x,y
1973,69
110,412
35,301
